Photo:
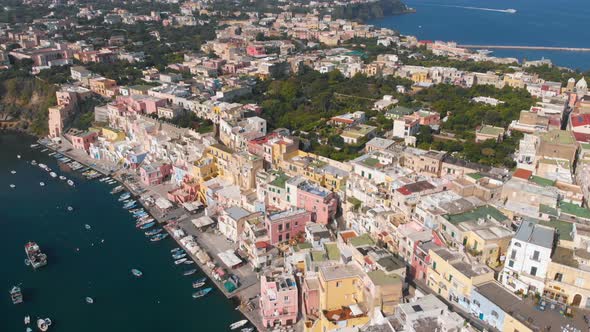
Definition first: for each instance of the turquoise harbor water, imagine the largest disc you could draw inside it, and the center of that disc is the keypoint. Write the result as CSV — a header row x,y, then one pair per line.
x,y
561,23
160,301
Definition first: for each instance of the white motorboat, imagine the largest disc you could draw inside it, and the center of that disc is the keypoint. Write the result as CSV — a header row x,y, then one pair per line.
x,y
53,174
43,324
18,156
12,186
27,320
42,184
89,300
70,183
12,172
70,208
61,177
238,324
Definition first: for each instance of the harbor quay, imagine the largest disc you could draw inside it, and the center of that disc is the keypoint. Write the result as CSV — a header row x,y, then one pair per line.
x,y
245,297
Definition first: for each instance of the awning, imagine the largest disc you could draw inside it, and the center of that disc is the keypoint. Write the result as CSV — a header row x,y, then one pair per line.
x,y
202,221
355,309
192,206
229,258
163,204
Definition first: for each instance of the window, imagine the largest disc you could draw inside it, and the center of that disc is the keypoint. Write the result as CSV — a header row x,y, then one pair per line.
x,y
513,254
280,238
280,227
494,314
579,282
558,277
476,302
288,225
533,270
511,263
434,266
536,255
338,283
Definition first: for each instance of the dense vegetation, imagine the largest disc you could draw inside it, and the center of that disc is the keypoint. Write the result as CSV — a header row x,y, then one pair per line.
x,y
369,10
191,120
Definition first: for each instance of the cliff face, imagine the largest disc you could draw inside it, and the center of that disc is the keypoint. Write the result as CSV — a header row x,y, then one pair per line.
x,y
25,100
371,10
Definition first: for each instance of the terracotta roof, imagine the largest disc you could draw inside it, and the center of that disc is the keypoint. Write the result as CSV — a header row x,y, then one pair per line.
x,y
579,120
522,173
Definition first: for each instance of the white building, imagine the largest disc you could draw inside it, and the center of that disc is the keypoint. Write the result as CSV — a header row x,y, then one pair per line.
x,y
527,258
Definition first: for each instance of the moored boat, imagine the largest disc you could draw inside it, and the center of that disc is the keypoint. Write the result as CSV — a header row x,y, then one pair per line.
x,y
159,237
238,324
53,174
202,293
89,300
61,177
43,324
124,196
179,255
175,250
117,190
189,262
16,295
27,320
180,261
70,183
42,184
136,272
198,284
35,256
190,272
153,232
148,225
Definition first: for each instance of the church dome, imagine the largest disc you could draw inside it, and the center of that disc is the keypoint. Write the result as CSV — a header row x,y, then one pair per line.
x,y
582,85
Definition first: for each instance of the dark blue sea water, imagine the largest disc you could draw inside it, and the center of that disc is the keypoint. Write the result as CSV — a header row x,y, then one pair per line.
x,y
160,301
536,23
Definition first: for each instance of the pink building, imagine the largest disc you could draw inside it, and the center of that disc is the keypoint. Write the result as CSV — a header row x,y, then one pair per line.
x,y
286,225
278,299
322,203
141,103
421,259
154,174
255,50
83,140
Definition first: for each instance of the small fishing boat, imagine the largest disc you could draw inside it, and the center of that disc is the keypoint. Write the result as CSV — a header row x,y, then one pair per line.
x,y
117,189
34,145
176,250
146,226
33,162
87,227
238,324
27,320
42,184
202,293
27,262
53,174
18,156
136,272
189,262
154,232
144,221
190,272
12,186
124,196
198,284
203,279
61,177
180,261
89,300
29,329
16,295
129,205
247,329
158,237
70,208
12,172
43,324
70,183
179,255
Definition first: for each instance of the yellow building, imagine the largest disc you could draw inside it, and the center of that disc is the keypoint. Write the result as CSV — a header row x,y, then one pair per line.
x,y
341,300
452,276
238,167
567,282
420,77
204,169
112,135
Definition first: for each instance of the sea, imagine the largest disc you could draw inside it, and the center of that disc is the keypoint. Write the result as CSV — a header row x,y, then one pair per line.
x,y
95,262
562,23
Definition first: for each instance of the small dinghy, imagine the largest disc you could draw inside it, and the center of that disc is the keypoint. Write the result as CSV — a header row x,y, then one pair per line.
x,y
89,300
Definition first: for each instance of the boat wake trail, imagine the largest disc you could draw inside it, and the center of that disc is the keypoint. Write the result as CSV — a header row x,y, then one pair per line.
x,y
509,10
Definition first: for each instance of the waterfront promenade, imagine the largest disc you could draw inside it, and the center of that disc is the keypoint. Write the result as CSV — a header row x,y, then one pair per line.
x,y
531,48
245,297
